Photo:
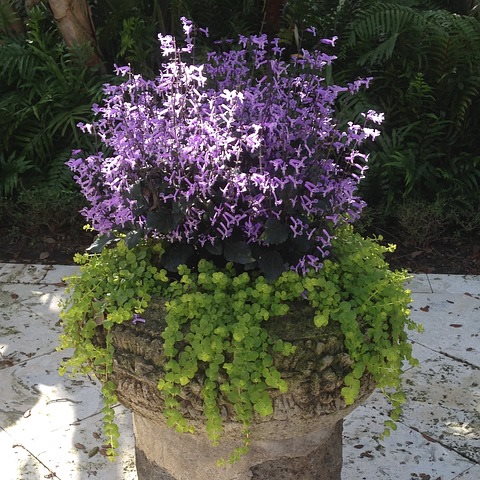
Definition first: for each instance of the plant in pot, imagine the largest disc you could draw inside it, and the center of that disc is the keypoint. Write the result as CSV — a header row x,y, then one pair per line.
x,y
227,300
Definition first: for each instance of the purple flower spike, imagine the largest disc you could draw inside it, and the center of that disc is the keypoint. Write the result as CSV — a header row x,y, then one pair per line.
x,y
137,319
245,146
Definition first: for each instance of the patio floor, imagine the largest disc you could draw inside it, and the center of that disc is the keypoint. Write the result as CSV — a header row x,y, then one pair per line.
x,y
50,425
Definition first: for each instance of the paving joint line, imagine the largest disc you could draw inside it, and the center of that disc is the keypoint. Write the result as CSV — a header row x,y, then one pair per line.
x,y
26,360
78,421
16,445
465,471
431,439
52,473
449,355
429,283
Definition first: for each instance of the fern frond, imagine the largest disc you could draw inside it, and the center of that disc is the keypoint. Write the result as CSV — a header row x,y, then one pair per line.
x,y
11,170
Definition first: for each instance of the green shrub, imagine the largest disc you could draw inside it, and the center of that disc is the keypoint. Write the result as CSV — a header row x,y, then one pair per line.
x,y
31,211
45,90
425,64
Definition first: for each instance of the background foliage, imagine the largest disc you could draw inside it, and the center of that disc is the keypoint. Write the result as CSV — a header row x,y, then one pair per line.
x,y
423,55
425,61
45,90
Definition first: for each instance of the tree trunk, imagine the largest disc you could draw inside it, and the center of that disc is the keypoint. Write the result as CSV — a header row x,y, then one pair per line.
x,y
31,3
273,15
75,23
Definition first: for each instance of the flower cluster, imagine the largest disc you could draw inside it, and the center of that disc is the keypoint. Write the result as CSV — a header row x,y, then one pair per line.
x,y
242,148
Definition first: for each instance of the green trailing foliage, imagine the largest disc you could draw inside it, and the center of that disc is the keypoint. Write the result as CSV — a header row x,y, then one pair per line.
x,y
45,90
215,325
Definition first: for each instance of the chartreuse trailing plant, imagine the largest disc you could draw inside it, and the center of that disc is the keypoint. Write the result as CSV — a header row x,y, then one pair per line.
x,y
215,325
112,287
226,190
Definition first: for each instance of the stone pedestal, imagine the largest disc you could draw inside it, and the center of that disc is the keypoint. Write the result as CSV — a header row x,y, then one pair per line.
x,y
163,454
301,440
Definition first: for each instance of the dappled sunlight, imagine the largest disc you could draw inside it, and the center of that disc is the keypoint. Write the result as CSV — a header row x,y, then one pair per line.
x,y
51,301
3,350
461,429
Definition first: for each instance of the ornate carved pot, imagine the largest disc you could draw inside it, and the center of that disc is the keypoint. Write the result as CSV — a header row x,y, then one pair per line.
x,y
301,440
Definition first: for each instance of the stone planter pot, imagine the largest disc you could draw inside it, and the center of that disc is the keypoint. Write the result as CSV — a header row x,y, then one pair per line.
x,y
302,440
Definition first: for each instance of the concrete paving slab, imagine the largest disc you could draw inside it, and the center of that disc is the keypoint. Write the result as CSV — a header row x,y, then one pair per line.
x,y
470,474
444,403
18,293
17,463
419,284
9,272
405,455
19,273
35,399
451,322
46,300
79,452
24,335
455,283
41,299
57,274
33,274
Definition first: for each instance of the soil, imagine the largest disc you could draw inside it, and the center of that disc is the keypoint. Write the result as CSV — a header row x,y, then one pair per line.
x,y
462,258
441,256
46,248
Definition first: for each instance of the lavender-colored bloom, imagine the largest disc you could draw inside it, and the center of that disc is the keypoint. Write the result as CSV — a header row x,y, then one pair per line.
x,y
329,41
228,150
137,319
374,116
121,71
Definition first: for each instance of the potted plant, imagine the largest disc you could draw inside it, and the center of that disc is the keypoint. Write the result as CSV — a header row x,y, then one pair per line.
x,y
227,300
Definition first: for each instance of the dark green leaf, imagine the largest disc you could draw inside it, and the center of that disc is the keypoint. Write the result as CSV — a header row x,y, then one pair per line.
x,y
133,238
216,249
136,194
176,255
179,209
250,266
100,242
160,220
275,232
302,244
238,252
271,264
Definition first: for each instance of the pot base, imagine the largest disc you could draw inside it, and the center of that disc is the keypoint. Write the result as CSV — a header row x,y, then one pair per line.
x,y
163,454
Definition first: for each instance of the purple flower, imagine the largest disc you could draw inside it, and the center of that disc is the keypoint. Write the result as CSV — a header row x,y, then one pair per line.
x,y
137,319
121,71
374,116
329,41
226,150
